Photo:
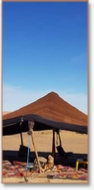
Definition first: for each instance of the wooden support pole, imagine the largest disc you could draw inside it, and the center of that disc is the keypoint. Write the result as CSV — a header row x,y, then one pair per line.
x,y
31,125
21,138
53,145
32,136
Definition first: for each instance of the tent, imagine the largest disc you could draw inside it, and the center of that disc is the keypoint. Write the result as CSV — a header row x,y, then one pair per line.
x,y
48,112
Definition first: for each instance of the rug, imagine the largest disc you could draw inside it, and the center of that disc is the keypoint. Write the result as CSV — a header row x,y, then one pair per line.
x,y
18,169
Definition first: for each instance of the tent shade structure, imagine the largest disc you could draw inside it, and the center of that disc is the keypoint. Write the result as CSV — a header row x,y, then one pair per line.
x,y
20,124
48,112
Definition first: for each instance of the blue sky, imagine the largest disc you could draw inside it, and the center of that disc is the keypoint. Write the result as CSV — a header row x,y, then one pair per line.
x,y
44,49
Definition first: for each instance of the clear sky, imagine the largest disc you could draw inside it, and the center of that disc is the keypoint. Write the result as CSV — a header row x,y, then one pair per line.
x,y
45,49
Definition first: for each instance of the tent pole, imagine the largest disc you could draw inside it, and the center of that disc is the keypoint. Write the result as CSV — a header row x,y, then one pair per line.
x,y
21,138
30,126
53,145
32,136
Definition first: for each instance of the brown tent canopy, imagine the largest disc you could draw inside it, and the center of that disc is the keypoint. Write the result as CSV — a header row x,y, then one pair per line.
x,y
48,112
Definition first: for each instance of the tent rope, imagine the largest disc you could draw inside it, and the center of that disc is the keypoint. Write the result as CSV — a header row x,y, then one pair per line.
x,y
28,151
21,121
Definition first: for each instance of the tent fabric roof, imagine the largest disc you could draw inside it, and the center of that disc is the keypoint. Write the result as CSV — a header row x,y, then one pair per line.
x,y
50,111
20,124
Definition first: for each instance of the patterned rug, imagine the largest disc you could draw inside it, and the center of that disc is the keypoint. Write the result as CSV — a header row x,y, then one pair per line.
x,y
64,172
18,169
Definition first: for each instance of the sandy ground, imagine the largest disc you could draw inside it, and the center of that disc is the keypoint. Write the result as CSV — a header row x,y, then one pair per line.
x,y
71,141
41,180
